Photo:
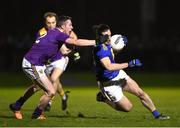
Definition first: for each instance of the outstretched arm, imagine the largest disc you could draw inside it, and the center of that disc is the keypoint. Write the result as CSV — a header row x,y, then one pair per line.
x,y
80,42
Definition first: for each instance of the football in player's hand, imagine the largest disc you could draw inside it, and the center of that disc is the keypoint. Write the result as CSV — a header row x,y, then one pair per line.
x,y
118,42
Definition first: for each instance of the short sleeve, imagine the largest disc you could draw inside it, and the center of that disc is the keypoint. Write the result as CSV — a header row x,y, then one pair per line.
x,y
62,37
102,53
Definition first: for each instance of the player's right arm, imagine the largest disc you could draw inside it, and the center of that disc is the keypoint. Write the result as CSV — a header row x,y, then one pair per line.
x,y
118,66
112,66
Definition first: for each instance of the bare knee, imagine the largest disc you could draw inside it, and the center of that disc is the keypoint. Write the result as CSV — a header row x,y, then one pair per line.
x,y
67,60
51,93
128,108
125,108
54,79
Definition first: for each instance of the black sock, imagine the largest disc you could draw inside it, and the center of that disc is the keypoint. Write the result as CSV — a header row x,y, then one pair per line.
x,y
37,112
21,101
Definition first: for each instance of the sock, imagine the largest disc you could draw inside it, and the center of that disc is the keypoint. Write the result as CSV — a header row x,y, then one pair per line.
x,y
52,98
15,106
155,113
64,97
50,102
37,112
62,93
20,101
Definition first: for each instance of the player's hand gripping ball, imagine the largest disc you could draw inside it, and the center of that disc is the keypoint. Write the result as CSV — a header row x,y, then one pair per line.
x,y
118,42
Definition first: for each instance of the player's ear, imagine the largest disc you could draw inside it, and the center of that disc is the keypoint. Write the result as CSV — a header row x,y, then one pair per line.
x,y
63,27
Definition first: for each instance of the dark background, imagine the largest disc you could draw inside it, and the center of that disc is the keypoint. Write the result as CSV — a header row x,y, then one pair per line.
x,y
152,28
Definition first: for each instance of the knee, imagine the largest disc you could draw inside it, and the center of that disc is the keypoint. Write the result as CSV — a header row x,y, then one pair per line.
x,y
53,79
67,60
126,108
51,93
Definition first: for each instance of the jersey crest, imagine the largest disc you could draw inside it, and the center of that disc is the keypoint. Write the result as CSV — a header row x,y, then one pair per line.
x,y
42,31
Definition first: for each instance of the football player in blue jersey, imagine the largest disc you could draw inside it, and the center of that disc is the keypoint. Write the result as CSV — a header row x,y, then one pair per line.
x,y
113,80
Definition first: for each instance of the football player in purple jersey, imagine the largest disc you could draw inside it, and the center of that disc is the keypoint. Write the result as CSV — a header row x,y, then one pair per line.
x,y
54,67
57,67
46,47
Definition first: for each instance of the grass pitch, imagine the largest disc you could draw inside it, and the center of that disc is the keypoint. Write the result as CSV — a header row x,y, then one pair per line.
x,y
85,111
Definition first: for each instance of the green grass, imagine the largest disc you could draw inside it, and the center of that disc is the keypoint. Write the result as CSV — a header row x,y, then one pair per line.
x,y
82,99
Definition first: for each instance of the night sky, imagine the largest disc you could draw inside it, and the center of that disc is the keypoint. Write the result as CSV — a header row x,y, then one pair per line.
x,y
21,16
152,27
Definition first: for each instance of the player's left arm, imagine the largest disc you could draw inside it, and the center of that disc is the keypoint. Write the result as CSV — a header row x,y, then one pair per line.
x,y
64,50
74,51
73,35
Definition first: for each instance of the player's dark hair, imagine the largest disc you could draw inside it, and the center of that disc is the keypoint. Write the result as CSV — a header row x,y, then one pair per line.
x,y
62,20
98,30
50,14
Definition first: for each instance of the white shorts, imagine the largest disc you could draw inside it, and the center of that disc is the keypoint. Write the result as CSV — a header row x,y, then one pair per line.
x,y
61,64
122,75
114,93
33,72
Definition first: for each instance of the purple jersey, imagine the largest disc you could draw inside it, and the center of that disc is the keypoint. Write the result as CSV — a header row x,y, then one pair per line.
x,y
46,47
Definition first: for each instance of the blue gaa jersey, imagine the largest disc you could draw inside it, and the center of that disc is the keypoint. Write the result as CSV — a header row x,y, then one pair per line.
x,y
46,47
99,52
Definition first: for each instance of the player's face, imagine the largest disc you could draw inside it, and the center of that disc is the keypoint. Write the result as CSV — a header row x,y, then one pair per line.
x,y
50,22
67,27
108,32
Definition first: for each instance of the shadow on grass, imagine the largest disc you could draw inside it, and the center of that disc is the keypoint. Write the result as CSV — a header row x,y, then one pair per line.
x,y
6,116
60,116
78,116
67,114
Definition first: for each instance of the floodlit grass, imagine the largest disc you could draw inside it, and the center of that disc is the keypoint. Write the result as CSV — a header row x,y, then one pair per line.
x,y
82,100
